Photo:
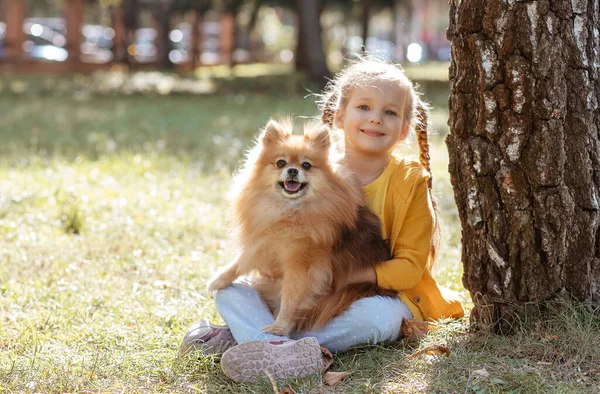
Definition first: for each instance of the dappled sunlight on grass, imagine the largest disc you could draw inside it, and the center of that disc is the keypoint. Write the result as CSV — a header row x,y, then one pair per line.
x,y
116,293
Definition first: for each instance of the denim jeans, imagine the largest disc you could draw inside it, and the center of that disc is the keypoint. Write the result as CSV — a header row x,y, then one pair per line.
x,y
368,321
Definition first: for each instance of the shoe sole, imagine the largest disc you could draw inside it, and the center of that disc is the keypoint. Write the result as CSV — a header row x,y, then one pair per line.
x,y
193,343
257,360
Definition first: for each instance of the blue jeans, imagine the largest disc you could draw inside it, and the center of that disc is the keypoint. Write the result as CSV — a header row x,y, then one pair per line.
x,y
367,321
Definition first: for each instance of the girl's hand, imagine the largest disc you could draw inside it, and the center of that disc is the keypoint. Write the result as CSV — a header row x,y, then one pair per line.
x,y
368,275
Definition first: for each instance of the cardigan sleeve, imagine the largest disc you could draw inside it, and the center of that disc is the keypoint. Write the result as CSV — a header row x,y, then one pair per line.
x,y
410,238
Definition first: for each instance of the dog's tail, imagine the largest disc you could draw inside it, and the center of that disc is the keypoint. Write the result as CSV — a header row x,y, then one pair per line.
x,y
332,305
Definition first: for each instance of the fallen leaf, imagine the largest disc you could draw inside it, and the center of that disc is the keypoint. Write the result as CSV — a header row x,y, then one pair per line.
x,y
549,337
481,373
333,378
327,358
414,328
287,390
434,350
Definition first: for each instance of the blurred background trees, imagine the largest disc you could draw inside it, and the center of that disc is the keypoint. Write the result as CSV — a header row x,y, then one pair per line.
x,y
312,35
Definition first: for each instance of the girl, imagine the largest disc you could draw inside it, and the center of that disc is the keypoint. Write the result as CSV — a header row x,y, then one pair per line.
x,y
375,105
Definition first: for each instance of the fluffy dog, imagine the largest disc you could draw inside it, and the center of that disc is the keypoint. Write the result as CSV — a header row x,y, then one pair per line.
x,y
302,224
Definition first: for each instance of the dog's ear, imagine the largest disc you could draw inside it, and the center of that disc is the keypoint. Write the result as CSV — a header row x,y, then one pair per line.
x,y
275,131
319,135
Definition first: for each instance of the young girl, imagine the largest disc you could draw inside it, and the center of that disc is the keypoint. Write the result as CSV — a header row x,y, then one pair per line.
x,y
375,105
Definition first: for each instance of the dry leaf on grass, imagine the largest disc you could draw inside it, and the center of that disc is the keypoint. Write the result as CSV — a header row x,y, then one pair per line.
x,y
414,328
327,358
546,337
333,378
481,373
434,350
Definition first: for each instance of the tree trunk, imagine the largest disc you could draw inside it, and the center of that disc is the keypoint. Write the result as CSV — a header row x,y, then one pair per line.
x,y
119,48
14,14
309,16
162,18
197,38
227,37
74,21
365,17
251,27
301,56
234,37
525,151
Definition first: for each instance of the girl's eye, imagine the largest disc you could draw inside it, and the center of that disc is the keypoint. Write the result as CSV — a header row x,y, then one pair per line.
x,y
306,165
281,163
390,112
363,107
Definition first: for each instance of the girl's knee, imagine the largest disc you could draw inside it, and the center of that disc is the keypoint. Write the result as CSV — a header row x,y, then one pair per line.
x,y
381,317
233,293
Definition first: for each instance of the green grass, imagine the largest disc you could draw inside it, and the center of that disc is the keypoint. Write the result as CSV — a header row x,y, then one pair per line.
x,y
113,216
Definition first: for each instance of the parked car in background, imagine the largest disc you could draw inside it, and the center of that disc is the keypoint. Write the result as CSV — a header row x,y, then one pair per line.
x,y
144,49
181,39
97,44
42,41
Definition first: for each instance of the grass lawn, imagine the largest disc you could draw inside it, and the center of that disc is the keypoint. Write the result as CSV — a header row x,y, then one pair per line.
x,y
113,216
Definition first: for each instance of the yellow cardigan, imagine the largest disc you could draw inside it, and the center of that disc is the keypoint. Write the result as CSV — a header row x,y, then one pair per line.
x,y
400,197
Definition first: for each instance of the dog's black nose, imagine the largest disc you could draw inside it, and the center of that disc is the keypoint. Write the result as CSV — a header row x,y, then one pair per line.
x,y
292,171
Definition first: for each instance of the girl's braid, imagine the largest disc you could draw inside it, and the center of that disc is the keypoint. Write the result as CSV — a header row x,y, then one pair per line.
x,y
421,131
425,161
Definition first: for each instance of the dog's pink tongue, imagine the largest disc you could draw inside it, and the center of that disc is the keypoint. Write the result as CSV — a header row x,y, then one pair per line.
x,y
292,186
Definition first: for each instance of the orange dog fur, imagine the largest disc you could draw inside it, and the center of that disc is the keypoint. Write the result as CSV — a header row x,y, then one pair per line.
x,y
302,224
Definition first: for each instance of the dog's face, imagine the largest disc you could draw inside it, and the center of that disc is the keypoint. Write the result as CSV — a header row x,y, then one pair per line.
x,y
294,166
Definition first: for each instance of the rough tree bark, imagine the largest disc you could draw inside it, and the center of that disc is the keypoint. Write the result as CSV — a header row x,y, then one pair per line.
x,y
525,151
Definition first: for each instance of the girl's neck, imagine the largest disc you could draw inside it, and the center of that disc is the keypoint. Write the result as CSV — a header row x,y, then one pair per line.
x,y
366,168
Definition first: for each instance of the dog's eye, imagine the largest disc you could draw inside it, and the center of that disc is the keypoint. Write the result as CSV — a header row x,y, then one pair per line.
x,y
281,163
306,165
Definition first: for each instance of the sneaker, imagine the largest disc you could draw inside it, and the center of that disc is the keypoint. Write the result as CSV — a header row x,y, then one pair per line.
x,y
280,359
207,338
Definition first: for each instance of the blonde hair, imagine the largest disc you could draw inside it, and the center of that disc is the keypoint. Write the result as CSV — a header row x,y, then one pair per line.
x,y
364,72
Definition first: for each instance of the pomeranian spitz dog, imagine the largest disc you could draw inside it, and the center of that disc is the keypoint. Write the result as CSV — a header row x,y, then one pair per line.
x,y
301,222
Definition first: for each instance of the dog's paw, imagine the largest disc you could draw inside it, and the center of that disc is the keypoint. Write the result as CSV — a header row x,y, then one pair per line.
x,y
217,282
277,329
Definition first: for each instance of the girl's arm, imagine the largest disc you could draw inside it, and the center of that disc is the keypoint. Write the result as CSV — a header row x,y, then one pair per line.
x,y
367,275
411,242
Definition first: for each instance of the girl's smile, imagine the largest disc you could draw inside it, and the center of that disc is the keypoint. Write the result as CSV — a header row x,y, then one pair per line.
x,y
373,119
372,133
